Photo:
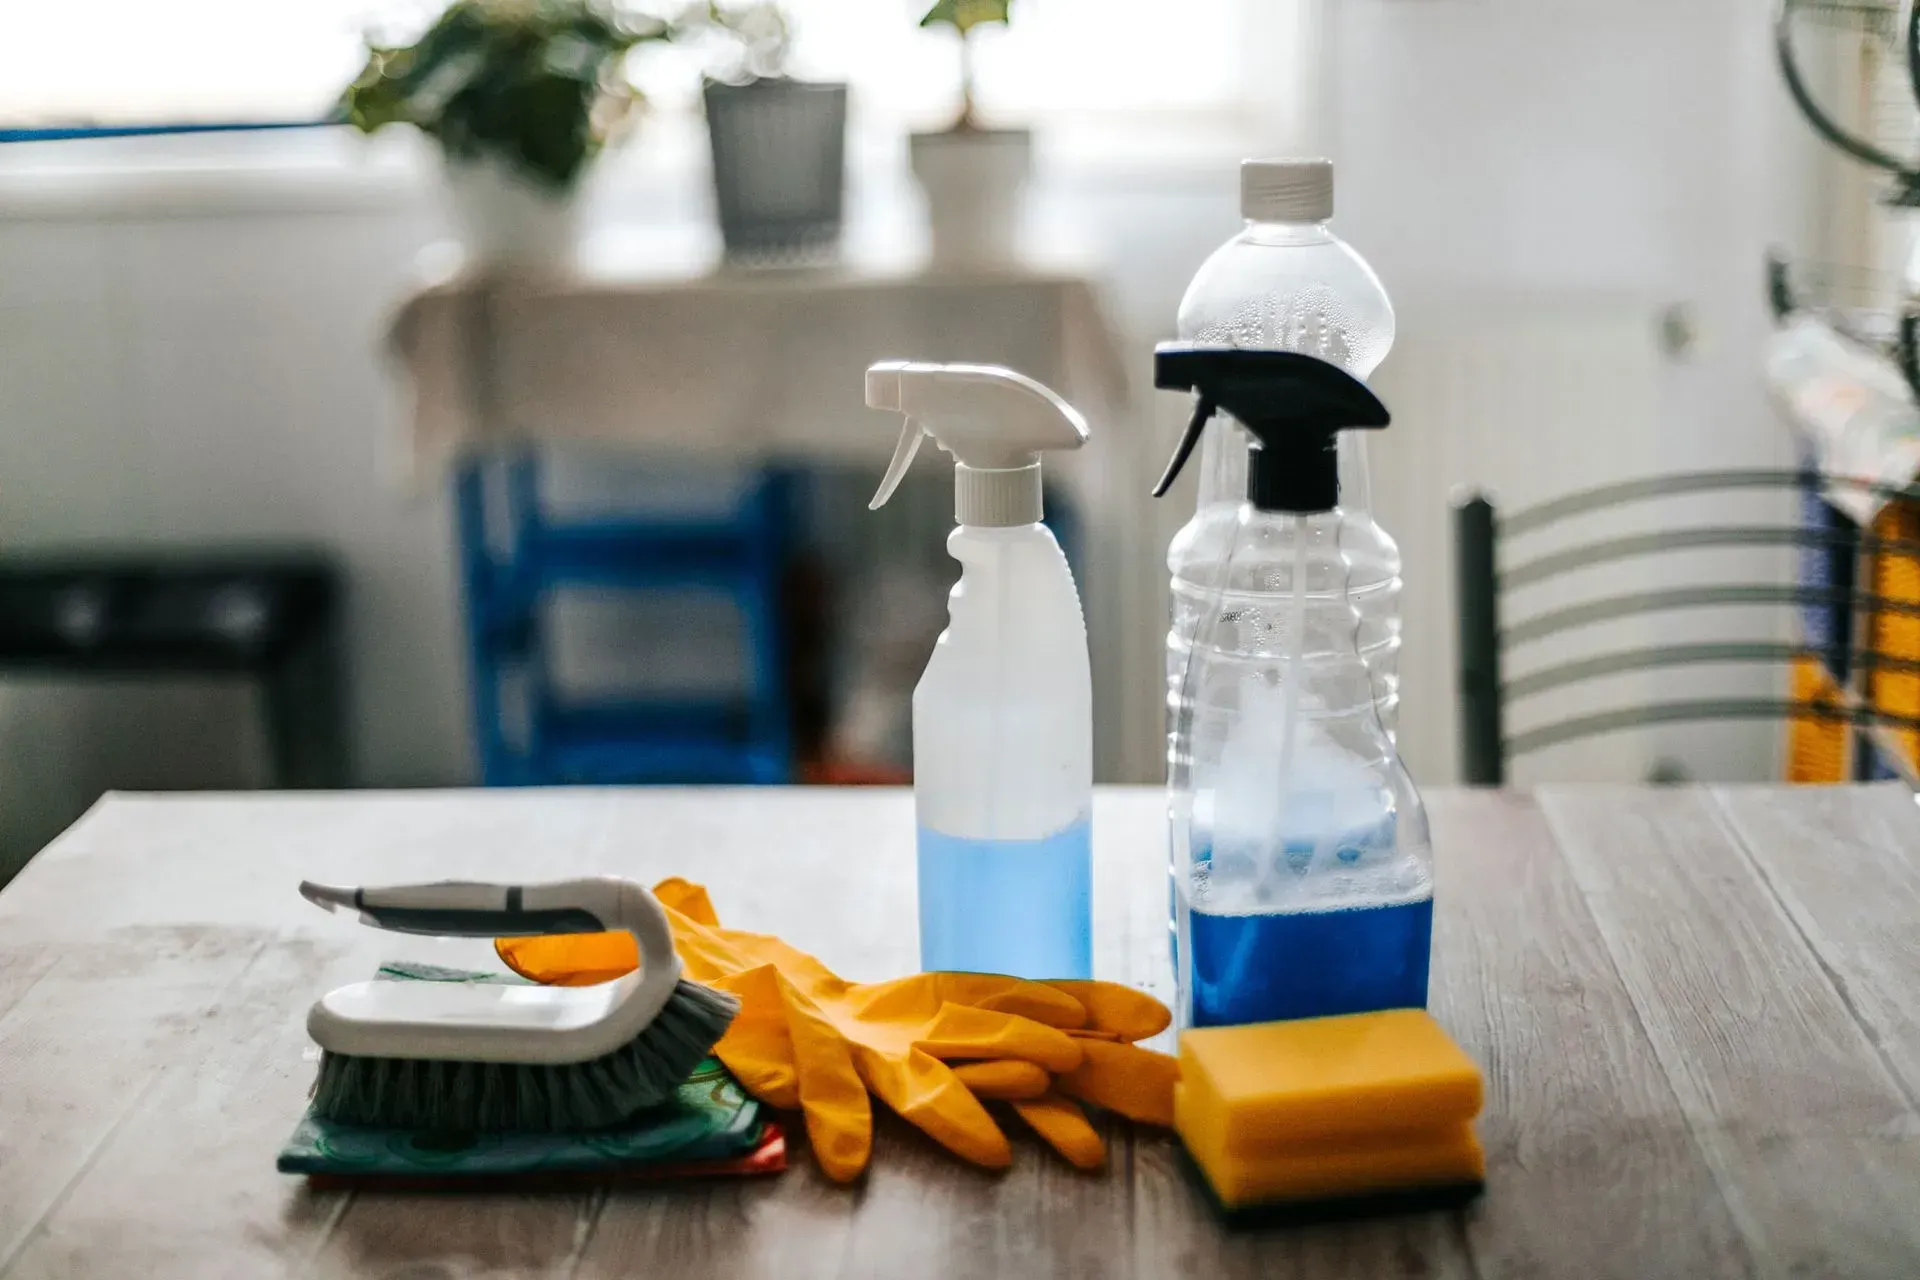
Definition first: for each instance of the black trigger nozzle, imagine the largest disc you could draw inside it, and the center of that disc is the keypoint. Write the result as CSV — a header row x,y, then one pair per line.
x,y
1292,404
1203,410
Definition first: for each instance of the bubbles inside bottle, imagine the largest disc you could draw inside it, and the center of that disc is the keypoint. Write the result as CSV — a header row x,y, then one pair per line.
x,y
1313,320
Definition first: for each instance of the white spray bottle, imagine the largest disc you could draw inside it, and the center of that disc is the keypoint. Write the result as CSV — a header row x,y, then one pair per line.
x,y
1003,716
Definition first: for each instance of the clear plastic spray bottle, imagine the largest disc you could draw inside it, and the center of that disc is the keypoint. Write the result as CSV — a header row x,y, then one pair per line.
x,y
1302,871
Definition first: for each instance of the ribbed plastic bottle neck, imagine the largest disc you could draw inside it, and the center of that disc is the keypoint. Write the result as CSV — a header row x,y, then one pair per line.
x,y
1267,526
994,498
1285,234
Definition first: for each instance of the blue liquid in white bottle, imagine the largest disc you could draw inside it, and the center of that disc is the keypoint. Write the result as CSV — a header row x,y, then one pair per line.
x,y
1003,766
1007,906
1003,716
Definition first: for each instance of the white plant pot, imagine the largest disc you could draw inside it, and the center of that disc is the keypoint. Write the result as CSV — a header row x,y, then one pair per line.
x,y
508,222
975,181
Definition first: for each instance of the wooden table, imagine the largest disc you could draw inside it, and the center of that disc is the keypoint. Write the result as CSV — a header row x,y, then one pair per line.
x,y
1698,1010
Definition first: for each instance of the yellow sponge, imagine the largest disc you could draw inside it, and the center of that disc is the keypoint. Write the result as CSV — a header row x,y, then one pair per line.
x,y
1329,1108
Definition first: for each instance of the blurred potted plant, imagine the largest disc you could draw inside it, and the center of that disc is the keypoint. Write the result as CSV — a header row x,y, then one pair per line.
x,y
779,144
973,176
520,95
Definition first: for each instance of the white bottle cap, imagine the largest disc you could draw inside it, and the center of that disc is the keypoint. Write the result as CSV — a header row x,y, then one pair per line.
x,y
1286,190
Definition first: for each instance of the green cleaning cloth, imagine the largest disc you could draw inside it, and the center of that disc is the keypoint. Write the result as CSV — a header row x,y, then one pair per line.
x,y
710,1118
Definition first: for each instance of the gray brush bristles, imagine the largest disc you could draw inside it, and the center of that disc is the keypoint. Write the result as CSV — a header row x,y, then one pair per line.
x,y
511,1097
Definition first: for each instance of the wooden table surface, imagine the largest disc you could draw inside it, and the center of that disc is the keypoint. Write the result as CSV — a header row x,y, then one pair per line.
x,y
1698,1011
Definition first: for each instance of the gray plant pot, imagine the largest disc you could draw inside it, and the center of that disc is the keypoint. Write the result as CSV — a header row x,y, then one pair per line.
x,y
779,166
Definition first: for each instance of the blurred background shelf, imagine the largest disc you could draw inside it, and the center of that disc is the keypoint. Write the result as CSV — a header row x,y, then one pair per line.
x,y
763,372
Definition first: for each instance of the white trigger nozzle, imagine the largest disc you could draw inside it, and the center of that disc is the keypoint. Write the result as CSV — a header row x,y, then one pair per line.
x,y
996,423
903,455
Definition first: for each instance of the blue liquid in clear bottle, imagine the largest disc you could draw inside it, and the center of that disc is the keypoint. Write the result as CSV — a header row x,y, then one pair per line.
x,y
1020,907
1254,956
1309,964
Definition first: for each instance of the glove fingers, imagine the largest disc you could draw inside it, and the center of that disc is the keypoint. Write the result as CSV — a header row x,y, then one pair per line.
x,y
1003,1081
961,1031
785,1054
1037,1001
1124,1078
928,1095
1064,1126
832,1094
1111,1006
569,960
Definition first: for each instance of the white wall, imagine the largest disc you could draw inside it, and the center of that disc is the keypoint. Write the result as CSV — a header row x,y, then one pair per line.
x,y
210,374
1597,152
190,357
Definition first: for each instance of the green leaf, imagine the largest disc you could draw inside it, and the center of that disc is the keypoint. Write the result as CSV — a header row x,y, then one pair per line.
x,y
535,83
964,15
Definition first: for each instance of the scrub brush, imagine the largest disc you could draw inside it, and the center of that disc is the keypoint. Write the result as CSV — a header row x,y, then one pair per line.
x,y
508,1058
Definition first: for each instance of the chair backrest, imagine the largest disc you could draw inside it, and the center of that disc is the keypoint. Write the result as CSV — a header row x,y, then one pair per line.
x,y
1486,571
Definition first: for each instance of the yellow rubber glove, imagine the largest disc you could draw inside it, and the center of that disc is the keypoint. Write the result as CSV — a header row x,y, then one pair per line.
x,y
1124,1078
1113,1073
808,1038
1115,1012
1063,1126
1003,1081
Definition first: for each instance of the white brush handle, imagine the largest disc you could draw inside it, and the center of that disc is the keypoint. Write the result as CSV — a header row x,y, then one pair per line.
x,y
343,1021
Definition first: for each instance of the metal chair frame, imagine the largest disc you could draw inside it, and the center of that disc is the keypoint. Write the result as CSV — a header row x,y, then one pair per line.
x,y
1485,636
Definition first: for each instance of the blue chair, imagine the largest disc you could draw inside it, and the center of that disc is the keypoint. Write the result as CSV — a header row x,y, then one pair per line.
x,y
514,554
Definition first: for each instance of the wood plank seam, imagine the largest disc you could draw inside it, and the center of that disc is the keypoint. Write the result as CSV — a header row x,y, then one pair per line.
x,y
586,1227
32,1233
20,999
848,1245
161,1074
1755,1224
1809,938
1699,1128
1457,1225
324,1236
1606,964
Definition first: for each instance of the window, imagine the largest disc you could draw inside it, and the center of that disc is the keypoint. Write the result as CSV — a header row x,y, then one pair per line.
x,y
143,62
139,62
1061,55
